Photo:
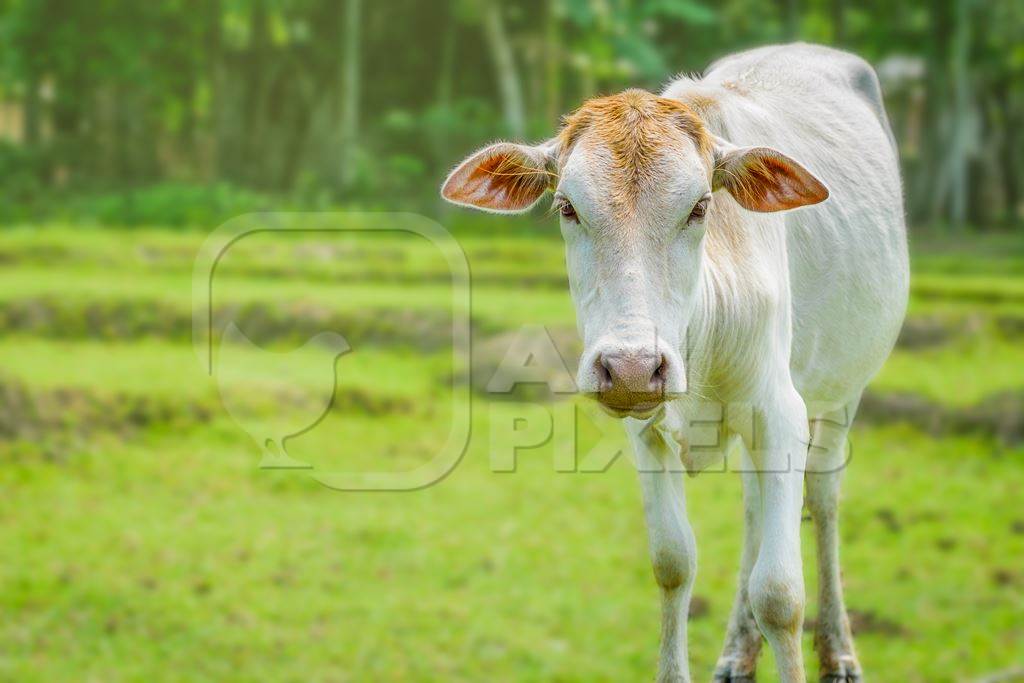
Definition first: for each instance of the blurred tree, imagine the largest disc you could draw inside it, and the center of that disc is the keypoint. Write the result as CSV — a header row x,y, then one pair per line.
x,y
344,100
349,89
509,84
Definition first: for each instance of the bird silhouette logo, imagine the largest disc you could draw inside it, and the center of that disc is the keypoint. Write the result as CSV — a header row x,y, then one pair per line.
x,y
277,395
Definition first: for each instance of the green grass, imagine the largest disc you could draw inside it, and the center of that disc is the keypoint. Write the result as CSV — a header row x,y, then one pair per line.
x,y
961,373
160,552
157,367
83,285
301,256
974,288
173,558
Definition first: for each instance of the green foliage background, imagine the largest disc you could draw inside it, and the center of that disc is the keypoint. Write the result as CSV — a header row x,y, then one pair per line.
x,y
328,102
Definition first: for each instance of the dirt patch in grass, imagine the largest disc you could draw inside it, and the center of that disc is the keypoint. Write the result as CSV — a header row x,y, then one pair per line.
x,y
1000,416
867,621
350,400
930,331
46,422
390,275
46,254
424,330
293,323
546,355
1010,326
922,332
700,607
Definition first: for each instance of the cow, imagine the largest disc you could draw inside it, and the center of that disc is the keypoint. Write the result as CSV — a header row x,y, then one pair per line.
x,y
736,240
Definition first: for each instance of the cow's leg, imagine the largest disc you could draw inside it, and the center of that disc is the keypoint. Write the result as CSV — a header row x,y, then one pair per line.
x,y
738,661
672,545
826,463
778,446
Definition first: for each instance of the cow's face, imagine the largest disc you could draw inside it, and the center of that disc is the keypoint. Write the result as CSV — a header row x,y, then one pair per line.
x,y
633,176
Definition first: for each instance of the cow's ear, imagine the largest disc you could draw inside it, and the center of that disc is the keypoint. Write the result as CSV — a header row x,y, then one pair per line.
x,y
503,178
763,179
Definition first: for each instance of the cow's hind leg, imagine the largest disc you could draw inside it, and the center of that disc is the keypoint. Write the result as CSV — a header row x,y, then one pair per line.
x,y
738,661
826,461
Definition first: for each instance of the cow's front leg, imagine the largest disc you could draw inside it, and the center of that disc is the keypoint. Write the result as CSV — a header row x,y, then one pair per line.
x,y
778,446
672,546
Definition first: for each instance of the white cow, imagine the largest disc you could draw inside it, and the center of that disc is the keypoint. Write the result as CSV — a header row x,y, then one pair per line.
x,y
694,282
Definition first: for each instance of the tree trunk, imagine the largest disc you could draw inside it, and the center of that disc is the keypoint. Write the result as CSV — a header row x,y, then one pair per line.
x,y
1008,150
445,92
251,162
350,92
505,67
211,158
33,111
67,140
552,70
959,172
931,183
442,140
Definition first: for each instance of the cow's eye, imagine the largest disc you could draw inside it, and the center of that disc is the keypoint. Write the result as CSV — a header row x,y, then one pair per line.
x,y
700,209
567,210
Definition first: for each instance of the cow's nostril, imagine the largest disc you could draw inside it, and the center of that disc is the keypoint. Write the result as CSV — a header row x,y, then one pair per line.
x,y
658,378
604,375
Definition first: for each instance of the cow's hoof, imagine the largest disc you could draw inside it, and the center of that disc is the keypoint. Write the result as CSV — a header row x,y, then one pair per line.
x,y
845,671
729,672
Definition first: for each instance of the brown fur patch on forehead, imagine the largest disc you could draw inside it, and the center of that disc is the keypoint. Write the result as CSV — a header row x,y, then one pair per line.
x,y
635,126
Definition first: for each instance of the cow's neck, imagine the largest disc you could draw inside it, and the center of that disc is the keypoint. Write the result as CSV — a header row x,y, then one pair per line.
x,y
731,307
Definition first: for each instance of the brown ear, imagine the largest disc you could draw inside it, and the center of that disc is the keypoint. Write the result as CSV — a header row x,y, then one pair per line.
x,y
762,179
504,178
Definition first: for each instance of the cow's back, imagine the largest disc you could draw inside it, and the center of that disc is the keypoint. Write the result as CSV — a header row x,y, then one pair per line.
x,y
847,257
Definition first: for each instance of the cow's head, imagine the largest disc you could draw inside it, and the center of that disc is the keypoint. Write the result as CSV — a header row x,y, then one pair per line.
x,y
633,177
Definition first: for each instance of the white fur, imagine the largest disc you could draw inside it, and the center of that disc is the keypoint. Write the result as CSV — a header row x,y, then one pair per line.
x,y
797,321
786,314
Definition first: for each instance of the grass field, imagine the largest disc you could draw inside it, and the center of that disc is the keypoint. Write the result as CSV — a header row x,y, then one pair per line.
x,y
141,541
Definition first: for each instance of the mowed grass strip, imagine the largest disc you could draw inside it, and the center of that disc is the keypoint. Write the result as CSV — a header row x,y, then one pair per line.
x,y
526,262
55,394
960,373
33,297
94,302
984,267
975,288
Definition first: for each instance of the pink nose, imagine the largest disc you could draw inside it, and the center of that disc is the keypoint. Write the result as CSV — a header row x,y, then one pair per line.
x,y
631,380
